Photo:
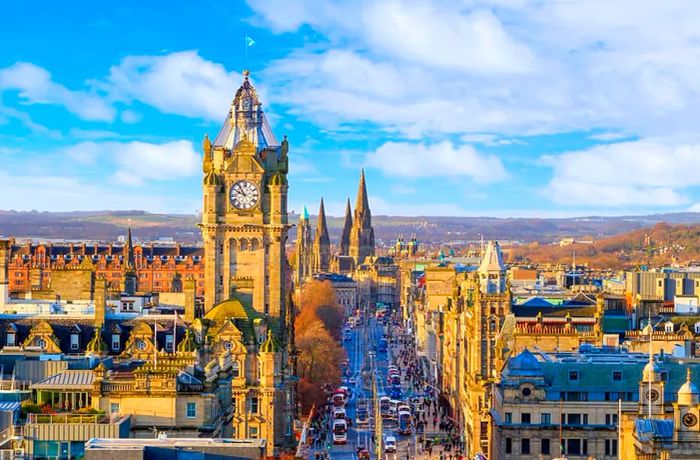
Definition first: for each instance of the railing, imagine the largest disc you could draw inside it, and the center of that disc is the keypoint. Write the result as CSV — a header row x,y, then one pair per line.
x,y
66,418
110,387
10,385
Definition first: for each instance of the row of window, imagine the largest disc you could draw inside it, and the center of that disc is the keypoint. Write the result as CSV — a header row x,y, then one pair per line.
x,y
566,418
570,446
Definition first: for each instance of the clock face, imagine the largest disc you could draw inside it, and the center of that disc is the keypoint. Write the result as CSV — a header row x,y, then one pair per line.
x,y
653,395
244,195
690,420
141,345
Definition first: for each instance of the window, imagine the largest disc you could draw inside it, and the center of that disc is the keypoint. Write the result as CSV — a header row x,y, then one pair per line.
x,y
114,408
254,405
10,341
668,326
509,446
169,340
509,417
545,418
191,409
611,447
41,343
617,376
525,446
576,446
526,391
74,341
253,432
234,403
573,376
525,418
236,368
573,419
544,446
116,342
611,419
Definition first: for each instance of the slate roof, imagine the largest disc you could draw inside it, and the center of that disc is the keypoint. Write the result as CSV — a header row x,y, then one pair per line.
x,y
64,327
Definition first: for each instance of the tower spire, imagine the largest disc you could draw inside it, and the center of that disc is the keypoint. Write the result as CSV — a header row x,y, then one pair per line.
x,y
321,226
322,243
347,228
362,203
129,250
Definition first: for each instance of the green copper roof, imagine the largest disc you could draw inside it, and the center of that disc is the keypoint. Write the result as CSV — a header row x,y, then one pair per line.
x,y
270,344
97,345
187,344
305,213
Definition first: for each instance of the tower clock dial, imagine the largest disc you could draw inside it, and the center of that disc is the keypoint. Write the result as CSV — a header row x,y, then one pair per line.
x,y
690,420
244,195
653,395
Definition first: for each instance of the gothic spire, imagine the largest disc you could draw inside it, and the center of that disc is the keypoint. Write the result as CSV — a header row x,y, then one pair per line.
x,y
362,204
129,259
347,227
321,227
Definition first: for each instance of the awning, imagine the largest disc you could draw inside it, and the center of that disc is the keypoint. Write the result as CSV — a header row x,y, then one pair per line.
x,y
66,380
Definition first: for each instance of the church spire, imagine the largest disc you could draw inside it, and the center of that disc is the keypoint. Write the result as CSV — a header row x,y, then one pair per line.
x,y
347,227
129,248
362,203
362,233
321,226
322,243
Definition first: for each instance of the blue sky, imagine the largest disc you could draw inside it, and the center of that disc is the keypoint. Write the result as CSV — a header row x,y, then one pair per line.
x,y
500,108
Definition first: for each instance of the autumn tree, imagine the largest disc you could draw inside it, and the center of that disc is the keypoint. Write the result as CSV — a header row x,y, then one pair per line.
x,y
318,300
318,364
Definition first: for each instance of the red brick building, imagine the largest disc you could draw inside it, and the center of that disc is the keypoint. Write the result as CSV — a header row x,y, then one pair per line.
x,y
159,268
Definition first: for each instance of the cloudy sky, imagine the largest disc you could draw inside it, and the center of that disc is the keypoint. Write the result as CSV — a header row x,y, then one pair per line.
x,y
501,108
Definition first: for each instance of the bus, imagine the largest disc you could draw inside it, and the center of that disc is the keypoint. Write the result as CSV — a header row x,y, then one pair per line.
x,y
404,422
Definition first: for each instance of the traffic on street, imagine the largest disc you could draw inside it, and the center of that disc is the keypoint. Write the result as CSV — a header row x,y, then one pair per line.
x,y
385,407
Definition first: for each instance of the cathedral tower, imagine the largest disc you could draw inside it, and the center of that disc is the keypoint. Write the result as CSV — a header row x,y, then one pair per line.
x,y
344,246
362,233
322,243
244,217
304,248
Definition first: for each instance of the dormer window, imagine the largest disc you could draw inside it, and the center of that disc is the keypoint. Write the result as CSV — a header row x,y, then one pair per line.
x,y
668,326
116,342
697,327
74,342
169,340
10,339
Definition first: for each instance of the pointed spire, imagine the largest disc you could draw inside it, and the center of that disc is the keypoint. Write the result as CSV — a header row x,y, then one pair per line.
x,y
347,228
362,202
322,227
305,214
129,250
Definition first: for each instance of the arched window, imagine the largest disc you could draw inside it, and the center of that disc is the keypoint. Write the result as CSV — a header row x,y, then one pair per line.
x,y
244,244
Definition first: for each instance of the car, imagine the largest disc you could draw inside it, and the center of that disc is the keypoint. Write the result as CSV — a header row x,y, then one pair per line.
x,y
340,438
352,380
390,445
339,413
340,426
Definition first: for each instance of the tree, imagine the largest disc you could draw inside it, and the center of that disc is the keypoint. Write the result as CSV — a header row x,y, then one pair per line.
x,y
318,364
318,300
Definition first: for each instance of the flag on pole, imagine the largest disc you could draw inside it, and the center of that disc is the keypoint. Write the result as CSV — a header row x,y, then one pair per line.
x,y
249,41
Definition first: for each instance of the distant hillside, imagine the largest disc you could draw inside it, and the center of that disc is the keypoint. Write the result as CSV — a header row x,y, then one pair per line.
x,y
653,246
109,225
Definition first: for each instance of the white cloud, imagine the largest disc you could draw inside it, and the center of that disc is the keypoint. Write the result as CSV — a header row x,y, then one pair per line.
x,y
181,83
136,162
70,193
35,86
650,173
513,68
404,159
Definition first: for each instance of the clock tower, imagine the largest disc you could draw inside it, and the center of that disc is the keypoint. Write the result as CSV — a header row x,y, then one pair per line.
x,y
244,216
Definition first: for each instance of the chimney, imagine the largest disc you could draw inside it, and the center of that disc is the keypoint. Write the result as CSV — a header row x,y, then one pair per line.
x,y
100,298
190,289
